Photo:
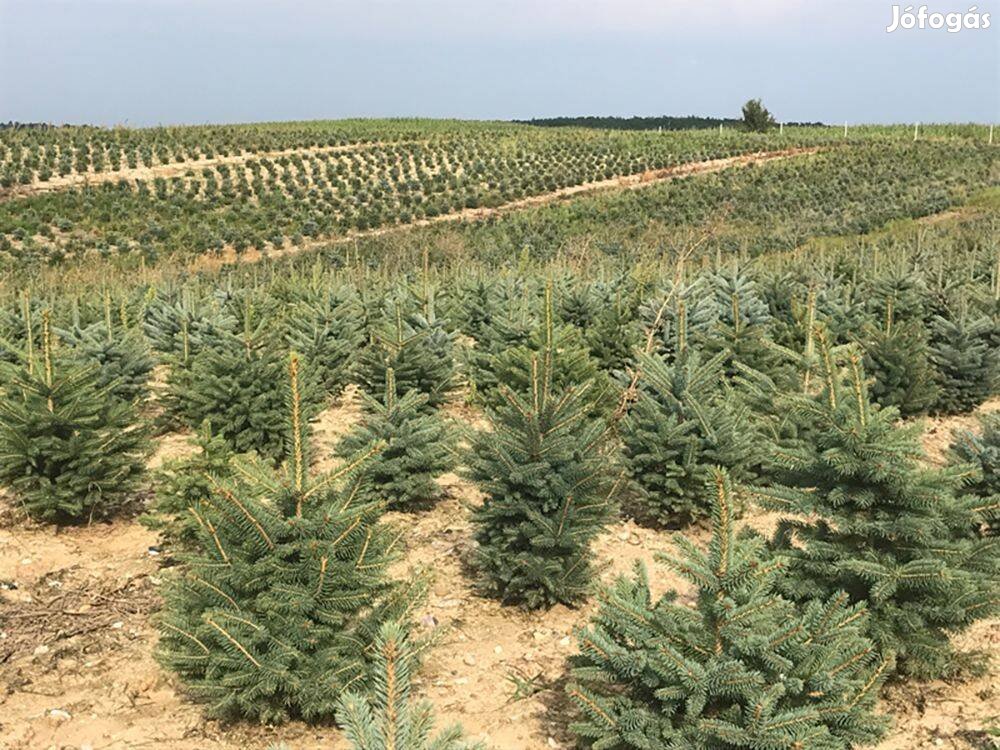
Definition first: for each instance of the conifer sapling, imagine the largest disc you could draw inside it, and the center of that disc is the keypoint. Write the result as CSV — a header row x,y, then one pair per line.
x,y
182,487
684,422
966,367
740,668
388,717
277,610
68,449
123,358
419,352
237,386
545,469
574,366
870,519
417,447
897,359
982,452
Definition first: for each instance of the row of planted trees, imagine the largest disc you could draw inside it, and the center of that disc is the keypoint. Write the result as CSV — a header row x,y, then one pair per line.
x,y
29,154
284,605
262,202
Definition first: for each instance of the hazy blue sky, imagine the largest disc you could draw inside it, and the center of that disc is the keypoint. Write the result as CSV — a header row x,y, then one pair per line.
x,y
195,61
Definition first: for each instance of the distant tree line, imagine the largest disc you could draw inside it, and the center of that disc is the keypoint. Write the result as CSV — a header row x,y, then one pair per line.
x,y
14,125
691,122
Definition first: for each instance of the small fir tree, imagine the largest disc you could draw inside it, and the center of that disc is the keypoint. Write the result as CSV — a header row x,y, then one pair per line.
x,y
982,451
69,451
509,327
899,291
791,301
15,331
741,668
731,316
183,486
871,520
896,357
841,307
574,366
579,304
418,350
324,328
779,427
417,447
966,368
730,295
123,358
661,319
184,326
544,469
474,307
275,614
237,386
612,337
990,309
388,717
685,421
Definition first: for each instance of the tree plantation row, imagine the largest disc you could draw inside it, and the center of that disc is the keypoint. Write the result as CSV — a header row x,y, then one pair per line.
x,y
276,201
693,382
263,202
36,155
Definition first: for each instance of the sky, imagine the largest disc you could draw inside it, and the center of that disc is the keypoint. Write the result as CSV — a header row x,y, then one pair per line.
x,y
149,62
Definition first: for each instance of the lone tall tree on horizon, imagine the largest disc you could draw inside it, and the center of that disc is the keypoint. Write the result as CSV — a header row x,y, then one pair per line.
x,y
756,117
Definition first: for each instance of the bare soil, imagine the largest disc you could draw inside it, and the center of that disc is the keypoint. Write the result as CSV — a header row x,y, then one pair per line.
x,y
77,671
938,431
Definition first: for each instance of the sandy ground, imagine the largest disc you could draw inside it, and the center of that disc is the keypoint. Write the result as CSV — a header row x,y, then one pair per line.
x,y
76,669
938,430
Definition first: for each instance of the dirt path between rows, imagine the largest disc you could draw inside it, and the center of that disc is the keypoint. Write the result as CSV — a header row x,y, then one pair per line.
x,y
76,639
228,254
177,169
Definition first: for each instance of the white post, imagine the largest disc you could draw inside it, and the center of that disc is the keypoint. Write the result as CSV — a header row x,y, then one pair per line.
x,y
781,128
991,135
845,128
916,130
720,128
